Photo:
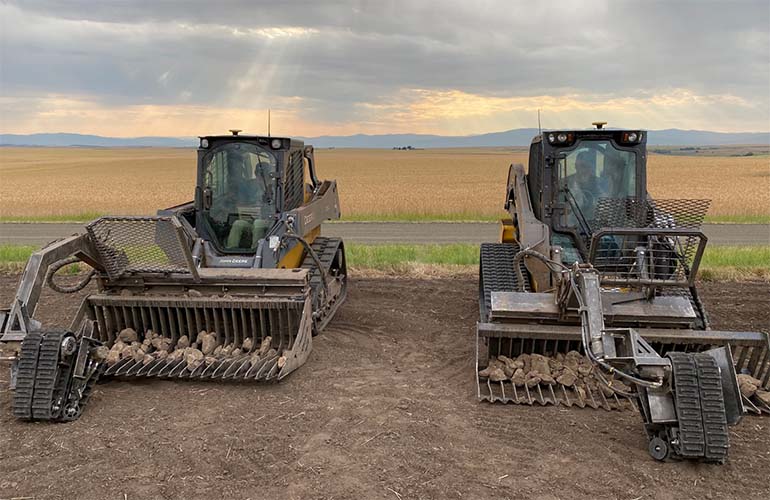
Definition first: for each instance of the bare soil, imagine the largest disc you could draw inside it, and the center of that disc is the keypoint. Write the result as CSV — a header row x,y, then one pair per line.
x,y
384,408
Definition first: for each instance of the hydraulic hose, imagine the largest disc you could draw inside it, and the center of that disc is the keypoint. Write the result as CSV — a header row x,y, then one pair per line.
x,y
558,267
292,235
552,264
54,268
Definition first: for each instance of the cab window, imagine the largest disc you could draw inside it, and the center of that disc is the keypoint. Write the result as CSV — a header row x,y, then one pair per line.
x,y
240,180
591,171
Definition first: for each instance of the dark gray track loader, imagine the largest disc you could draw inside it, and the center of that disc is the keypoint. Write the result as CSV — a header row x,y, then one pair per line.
x,y
590,299
230,286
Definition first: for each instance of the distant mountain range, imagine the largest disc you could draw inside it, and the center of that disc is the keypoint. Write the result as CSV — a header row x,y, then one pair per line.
x,y
516,137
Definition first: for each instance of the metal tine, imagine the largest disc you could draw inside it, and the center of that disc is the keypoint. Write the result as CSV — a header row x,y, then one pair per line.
x,y
273,371
255,368
566,396
593,404
578,399
112,369
210,369
539,396
198,372
245,366
529,396
502,390
156,368
266,368
146,369
134,369
184,372
125,368
222,368
553,395
750,406
170,367
178,368
515,394
603,400
235,365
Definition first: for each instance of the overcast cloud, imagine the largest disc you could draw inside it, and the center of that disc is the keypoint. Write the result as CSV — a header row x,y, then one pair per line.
x,y
187,67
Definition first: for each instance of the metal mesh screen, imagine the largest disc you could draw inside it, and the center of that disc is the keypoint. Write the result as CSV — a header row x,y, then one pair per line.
x,y
636,212
627,257
139,245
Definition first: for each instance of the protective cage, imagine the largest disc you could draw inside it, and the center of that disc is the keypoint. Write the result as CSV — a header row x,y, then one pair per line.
x,y
129,245
646,213
664,257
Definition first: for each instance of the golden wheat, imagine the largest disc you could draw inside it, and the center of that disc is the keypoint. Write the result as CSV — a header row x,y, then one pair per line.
x,y
451,183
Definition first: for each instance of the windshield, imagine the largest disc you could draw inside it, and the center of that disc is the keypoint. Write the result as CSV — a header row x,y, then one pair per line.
x,y
241,180
593,170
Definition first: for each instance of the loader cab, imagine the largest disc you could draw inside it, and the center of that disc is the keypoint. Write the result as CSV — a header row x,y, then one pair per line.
x,y
571,171
244,183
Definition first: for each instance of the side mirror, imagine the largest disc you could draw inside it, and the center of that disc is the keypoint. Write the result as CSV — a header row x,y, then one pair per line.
x,y
207,198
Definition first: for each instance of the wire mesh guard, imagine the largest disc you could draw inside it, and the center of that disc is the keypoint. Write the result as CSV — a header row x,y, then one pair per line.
x,y
139,245
647,256
638,213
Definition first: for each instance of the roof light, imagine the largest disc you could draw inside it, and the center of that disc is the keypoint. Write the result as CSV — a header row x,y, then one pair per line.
x,y
275,144
204,143
551,138
631,137
562,137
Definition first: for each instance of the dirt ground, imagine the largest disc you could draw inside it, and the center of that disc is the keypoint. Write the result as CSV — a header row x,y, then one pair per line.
x,y
384,408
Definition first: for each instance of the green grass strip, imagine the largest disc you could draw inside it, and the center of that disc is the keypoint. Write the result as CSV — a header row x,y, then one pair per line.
x,y
719,262
82,217
386,256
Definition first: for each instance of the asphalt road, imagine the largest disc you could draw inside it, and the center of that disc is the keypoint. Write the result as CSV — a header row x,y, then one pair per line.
x,y
395,232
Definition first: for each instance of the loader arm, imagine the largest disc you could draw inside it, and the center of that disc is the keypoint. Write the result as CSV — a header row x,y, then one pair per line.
x,y
19,321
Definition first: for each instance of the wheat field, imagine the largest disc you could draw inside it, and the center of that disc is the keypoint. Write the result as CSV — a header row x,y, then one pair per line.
x,y
468,184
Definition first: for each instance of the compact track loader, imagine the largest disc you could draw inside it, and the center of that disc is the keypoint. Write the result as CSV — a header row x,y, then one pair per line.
x,y
230,286
589,299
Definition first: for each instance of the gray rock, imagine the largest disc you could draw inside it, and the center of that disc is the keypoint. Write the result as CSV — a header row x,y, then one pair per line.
x,y
128,335
567,377
540,364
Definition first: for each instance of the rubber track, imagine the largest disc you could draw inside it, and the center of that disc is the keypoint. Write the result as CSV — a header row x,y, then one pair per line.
x,y
497,273
46,376
713,408
326,250
25,376
688,405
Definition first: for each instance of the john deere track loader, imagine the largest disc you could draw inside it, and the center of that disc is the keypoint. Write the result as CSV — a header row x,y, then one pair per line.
x,y
230,286
590,299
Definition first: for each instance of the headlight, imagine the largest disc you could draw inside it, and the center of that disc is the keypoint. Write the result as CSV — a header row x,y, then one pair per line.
x,y
276,144
204,143
632,137
551,138
562,137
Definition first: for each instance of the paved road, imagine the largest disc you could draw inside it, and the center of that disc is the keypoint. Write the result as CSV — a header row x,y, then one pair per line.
x,y
397,232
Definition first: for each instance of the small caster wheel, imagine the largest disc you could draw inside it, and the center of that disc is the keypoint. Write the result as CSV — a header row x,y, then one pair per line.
x,y
658,449
72,412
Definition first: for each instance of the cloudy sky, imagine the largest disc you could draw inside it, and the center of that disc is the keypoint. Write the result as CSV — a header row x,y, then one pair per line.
x,y
184,67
